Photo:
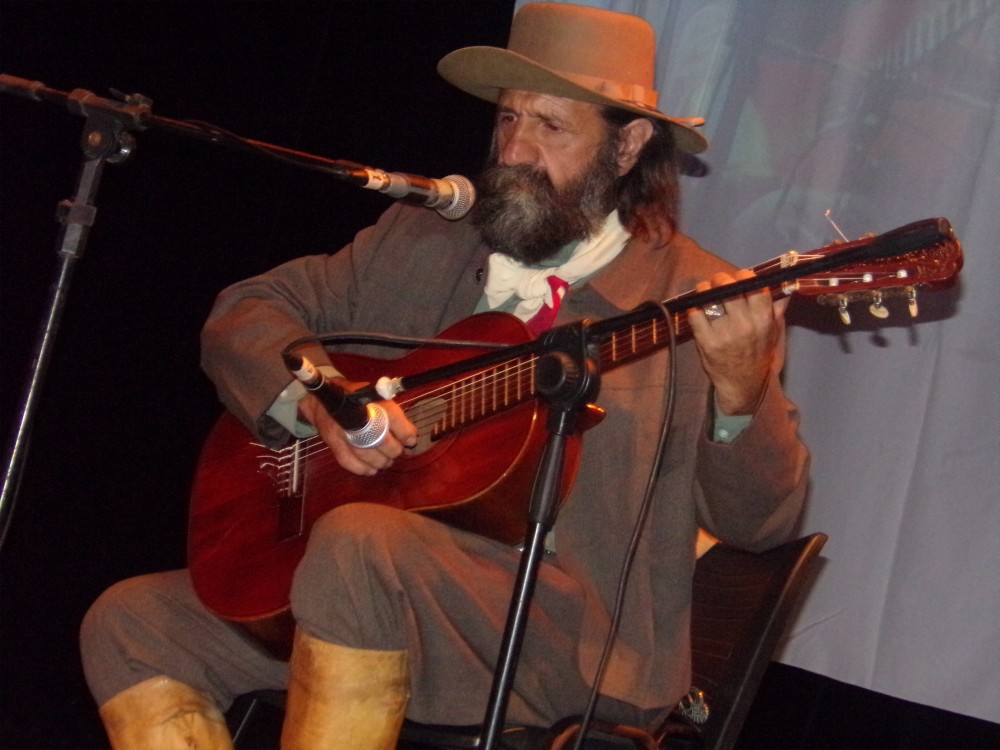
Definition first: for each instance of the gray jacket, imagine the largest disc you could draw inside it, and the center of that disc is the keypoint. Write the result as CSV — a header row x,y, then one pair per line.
x,y
413,274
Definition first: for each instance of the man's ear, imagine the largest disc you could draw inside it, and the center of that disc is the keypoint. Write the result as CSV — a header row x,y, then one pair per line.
x,y
633,138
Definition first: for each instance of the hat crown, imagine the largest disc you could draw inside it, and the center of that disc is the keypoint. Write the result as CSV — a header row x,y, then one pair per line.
x,y
590,42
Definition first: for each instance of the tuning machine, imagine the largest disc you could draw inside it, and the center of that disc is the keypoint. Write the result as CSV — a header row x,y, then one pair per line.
x,y
875,299
876,308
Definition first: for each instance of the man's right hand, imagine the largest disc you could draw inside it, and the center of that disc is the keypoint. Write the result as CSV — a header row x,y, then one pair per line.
x,y
361,461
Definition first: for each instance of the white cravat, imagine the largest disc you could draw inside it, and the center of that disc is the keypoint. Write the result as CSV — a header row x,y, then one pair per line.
x,y
508,277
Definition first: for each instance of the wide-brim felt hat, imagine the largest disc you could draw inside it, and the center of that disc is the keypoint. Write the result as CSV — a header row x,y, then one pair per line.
x,y
587,54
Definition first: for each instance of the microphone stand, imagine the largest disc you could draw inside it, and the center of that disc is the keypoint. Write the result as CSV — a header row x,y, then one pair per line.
x,y
107,139
568,378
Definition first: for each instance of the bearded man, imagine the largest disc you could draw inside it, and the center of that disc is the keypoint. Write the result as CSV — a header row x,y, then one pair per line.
x,y
398,614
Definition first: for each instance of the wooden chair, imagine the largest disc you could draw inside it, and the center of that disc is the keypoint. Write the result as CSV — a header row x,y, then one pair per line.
x,y
742,602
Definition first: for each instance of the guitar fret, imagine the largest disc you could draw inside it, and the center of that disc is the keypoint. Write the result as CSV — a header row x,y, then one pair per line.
x,y
455,404
483,403
485,381
464,402
474,387
470,399
470,402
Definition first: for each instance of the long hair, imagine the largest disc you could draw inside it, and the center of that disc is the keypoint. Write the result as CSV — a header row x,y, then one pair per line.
x,y
648,195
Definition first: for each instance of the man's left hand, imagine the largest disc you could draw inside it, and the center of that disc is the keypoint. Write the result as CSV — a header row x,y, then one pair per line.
x,y
740,347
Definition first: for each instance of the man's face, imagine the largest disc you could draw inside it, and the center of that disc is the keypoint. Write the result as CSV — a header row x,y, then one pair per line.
x,y
552,176
548,133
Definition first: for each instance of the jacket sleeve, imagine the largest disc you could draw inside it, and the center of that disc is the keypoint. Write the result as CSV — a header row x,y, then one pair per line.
x,y
750,491
409,274
253,320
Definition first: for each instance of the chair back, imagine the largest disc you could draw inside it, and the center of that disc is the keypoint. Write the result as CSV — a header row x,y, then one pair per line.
x,y
741,605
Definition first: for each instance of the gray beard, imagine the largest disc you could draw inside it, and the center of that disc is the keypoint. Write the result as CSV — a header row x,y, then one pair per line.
x,y
521,214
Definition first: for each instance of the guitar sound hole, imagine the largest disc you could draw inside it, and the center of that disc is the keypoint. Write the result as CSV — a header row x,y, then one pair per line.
x,y
290,523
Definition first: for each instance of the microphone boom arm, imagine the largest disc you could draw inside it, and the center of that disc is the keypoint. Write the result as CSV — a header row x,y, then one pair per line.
x,y
452,197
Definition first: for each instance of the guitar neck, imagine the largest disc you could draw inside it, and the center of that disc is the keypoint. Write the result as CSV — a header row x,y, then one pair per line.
x,y
923,253
932,257
637,334
494,382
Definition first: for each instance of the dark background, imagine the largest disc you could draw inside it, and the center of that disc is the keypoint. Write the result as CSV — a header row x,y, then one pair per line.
x,y
125,407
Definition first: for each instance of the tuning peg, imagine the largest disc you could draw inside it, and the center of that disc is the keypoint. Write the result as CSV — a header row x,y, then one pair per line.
x,y
876,308
911,301
845,314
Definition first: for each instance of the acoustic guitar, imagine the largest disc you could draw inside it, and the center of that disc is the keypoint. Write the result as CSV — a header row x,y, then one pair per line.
x,y
482,431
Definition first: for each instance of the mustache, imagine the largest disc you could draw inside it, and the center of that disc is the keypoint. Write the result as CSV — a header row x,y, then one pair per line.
x,y
503,177
528,189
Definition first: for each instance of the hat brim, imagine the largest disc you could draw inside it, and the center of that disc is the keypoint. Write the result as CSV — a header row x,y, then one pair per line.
x,y
486,71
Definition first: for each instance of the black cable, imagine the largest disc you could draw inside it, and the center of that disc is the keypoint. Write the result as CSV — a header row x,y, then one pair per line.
x,y
384,339
640,525
220,136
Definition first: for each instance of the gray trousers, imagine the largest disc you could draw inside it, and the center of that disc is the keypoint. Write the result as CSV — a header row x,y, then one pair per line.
x,y
374,578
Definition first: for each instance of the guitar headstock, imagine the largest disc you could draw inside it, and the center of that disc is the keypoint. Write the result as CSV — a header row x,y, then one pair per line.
x,y
922,255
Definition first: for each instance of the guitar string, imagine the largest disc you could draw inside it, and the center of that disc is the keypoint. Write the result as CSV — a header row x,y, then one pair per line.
x,y
469,401
468,397
460,389
476,395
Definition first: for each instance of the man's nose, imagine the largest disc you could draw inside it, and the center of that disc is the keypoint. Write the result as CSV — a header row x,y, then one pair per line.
x,y
518,148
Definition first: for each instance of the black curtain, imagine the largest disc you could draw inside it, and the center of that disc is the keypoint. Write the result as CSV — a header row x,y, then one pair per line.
x,y
125,407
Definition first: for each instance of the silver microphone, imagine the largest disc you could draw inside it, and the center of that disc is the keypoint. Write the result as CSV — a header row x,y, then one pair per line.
x,y
365,425
452,197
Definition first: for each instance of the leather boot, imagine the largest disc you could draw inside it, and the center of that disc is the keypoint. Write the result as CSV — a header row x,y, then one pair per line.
x,y
164,714
345,698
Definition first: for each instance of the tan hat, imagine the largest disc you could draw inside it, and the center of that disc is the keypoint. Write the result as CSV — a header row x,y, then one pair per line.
x,y
587,54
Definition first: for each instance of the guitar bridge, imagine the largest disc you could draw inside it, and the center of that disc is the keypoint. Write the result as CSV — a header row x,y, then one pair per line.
x,y
285,468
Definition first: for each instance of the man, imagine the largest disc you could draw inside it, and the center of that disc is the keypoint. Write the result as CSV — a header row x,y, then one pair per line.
x,y
399,614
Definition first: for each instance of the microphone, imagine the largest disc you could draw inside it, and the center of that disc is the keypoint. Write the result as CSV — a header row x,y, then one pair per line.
x,y
365,425
452,197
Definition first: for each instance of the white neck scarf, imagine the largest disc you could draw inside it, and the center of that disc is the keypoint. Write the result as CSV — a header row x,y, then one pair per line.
x,y
508,277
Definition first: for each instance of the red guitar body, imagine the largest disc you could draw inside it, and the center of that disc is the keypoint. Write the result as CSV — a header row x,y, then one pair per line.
x,y
252,507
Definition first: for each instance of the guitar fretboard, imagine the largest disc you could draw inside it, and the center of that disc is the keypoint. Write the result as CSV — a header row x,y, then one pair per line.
x,y
933,257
